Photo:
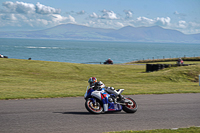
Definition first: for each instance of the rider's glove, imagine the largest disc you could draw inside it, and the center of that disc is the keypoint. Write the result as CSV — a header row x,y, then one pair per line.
x,y
112,88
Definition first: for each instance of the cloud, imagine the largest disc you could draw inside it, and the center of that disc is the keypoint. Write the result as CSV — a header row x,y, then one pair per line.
x,y
71,19
182,24
129,14
19,7
176,13
106,15
81,12
42,9
162,21
58,18
94,15
8,17
186,27
28,8
29,16
180,15
144,21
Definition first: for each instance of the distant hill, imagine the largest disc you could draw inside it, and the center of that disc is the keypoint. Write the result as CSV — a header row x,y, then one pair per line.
x,y
128,33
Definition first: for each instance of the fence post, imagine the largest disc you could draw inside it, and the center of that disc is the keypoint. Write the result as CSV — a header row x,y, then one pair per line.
x,y
199,80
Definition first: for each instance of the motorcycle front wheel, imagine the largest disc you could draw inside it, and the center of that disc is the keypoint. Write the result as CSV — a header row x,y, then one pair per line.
x,y
130,107
94,109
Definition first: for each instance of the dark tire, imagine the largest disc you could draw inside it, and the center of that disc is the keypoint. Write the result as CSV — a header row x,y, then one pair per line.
x,y
130,107
98,109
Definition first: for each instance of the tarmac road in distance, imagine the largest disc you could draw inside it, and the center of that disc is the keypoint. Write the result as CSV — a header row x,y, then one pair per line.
x,y
68,115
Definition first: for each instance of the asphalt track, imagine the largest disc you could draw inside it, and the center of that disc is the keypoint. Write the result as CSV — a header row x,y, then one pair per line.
x,y
68,115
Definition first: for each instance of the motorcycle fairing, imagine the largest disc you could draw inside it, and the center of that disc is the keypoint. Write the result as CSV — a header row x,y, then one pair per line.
x,y
102,96
114,107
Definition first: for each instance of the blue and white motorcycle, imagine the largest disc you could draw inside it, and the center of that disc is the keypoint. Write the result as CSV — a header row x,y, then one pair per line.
x,y
100,101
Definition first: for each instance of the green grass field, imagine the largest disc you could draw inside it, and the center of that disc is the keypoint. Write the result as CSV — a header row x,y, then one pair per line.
x,y
41,79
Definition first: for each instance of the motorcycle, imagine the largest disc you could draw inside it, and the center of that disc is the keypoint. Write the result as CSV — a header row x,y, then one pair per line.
x,y
100,101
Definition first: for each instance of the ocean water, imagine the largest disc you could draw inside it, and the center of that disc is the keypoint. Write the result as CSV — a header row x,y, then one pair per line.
x,y
93,51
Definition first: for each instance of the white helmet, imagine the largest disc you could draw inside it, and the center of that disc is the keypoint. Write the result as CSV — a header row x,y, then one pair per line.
x,y
99,85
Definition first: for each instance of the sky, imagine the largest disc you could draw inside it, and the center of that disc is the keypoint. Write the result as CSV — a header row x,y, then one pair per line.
x,y
29,15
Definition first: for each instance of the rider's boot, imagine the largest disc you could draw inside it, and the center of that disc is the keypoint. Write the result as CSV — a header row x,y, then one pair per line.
x,y
120,99
115,100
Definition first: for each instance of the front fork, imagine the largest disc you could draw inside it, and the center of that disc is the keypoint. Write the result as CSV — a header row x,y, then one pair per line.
x,y
94,101
104,101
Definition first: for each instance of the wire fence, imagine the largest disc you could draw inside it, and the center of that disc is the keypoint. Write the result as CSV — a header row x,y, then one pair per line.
x,y
166,57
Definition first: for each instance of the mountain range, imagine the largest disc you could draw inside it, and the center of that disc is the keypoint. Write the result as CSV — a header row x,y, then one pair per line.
x,y
128,33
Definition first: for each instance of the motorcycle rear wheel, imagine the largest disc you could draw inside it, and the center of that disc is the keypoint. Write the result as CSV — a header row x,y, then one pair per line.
x,y
130,107
98,109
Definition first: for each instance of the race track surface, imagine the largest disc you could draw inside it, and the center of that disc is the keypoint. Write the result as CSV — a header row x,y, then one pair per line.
x,y
68,115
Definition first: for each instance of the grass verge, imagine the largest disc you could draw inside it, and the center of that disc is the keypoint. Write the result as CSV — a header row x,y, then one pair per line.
x,y
180,130
42,79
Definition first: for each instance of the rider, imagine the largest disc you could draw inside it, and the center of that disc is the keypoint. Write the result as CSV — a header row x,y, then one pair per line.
x,y
109,61
98,85
180,61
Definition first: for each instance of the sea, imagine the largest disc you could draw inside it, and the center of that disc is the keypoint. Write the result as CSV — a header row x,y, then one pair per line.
x,y
93,52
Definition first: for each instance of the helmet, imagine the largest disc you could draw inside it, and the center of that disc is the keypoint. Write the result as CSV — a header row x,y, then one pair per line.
x,y
99,85
92,81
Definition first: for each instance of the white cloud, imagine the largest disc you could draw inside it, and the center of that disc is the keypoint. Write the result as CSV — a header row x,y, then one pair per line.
x,y
129,14
119,24
162,21
182,24
193,24
8,17
24,15
186,27
19,7
13,17
58,18
106,15
42,9
94,15
42,21
72,19
144,21
81,12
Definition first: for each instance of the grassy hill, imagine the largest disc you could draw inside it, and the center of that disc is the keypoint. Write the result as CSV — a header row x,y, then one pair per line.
x,y
42,79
